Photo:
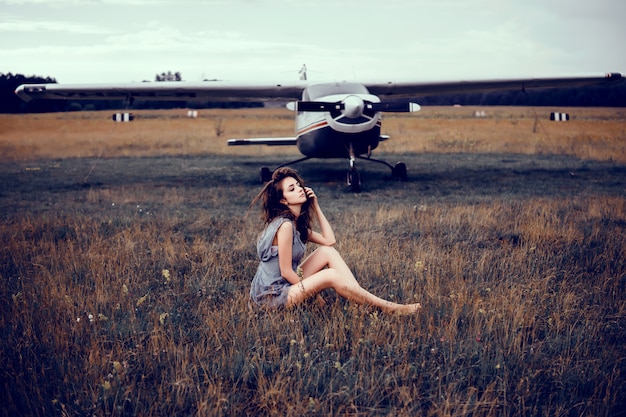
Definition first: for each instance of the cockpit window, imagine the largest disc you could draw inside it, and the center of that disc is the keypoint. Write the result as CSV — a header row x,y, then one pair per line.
x,y
315,91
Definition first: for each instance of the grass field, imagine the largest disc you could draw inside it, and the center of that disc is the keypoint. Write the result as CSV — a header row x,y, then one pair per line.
x,y
128,251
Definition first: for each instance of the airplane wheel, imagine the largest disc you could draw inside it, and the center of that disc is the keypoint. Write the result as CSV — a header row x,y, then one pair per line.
x,y
266,174
354,181
399,171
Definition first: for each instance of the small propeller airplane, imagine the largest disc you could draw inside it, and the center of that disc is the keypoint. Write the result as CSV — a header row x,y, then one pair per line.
x,y
333,119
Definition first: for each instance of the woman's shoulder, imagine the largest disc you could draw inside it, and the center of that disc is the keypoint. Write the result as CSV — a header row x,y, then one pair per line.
x,y
285,226
275,224
266,238
279,220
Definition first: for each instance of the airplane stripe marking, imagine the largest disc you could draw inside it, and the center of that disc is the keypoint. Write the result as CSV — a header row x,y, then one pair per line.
x,y
312,127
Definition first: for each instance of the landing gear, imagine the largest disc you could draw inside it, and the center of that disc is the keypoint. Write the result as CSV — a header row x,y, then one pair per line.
x,y
354,181
353,178
266,174
398,172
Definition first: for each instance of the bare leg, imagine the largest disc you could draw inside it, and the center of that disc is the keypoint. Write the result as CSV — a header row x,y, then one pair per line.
x,y
325,268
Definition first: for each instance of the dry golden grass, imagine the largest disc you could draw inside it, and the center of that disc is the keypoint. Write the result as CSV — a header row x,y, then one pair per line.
x,y
598,134
132,300
94,134
591,134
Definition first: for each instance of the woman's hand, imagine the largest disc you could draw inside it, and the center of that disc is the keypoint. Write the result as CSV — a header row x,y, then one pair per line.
x,y
310,194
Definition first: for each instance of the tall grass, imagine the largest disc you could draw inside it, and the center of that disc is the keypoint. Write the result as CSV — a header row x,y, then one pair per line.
x,y
132,300
597,134
524,314
94,134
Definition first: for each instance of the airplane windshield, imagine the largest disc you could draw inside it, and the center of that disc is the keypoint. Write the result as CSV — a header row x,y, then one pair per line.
x,y
315,91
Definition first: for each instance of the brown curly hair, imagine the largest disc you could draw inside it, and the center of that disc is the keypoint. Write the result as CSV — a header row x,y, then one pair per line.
x,y
271,196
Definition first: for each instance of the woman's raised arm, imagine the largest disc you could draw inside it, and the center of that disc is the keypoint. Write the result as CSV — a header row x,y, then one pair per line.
x,y
326,236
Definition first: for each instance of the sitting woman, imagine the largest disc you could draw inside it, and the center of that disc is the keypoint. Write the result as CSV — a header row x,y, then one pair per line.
x,y
282,280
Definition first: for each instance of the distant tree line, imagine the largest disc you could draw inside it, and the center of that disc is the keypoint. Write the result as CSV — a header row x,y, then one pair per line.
x,y
591,96
169,76
10,103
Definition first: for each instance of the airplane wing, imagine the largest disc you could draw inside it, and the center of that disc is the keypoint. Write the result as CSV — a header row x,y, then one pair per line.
x,y
236,91
389,90
164,91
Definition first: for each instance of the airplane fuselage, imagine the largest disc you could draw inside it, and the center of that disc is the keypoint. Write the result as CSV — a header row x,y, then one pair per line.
x,y
324,142
339,132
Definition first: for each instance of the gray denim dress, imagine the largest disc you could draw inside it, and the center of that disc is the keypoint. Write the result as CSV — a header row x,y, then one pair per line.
x,y
268,287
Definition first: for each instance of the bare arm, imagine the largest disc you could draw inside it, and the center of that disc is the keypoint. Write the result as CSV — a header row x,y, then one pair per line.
x,y
284,236
326,237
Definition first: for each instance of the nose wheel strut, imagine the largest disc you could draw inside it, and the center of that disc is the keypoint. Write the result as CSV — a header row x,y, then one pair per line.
x,y
398,171
353,179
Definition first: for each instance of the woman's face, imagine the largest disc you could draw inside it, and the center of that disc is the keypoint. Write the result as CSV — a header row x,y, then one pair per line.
x,y
293,192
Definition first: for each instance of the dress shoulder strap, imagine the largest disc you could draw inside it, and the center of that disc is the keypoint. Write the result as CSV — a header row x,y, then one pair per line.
x,y
267,237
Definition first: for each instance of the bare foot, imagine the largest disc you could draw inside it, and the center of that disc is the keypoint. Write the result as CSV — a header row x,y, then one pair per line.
x,y
407,309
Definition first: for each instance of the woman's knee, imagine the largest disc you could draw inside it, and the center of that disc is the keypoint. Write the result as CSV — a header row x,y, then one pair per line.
x,y
330,254
327,250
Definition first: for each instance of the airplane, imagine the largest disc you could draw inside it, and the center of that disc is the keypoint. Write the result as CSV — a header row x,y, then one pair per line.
x,y
339,119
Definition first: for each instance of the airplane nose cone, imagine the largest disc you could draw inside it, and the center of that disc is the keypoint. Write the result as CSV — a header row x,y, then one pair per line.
x,y
353,107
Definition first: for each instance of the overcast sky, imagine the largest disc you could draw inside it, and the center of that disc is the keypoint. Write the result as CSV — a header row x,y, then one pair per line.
x,y
86,41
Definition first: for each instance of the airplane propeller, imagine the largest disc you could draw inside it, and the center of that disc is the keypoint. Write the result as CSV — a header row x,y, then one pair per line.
x,y
353,106
398,107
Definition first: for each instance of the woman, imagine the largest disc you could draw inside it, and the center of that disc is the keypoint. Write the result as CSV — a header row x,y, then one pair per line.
x,y
281,281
